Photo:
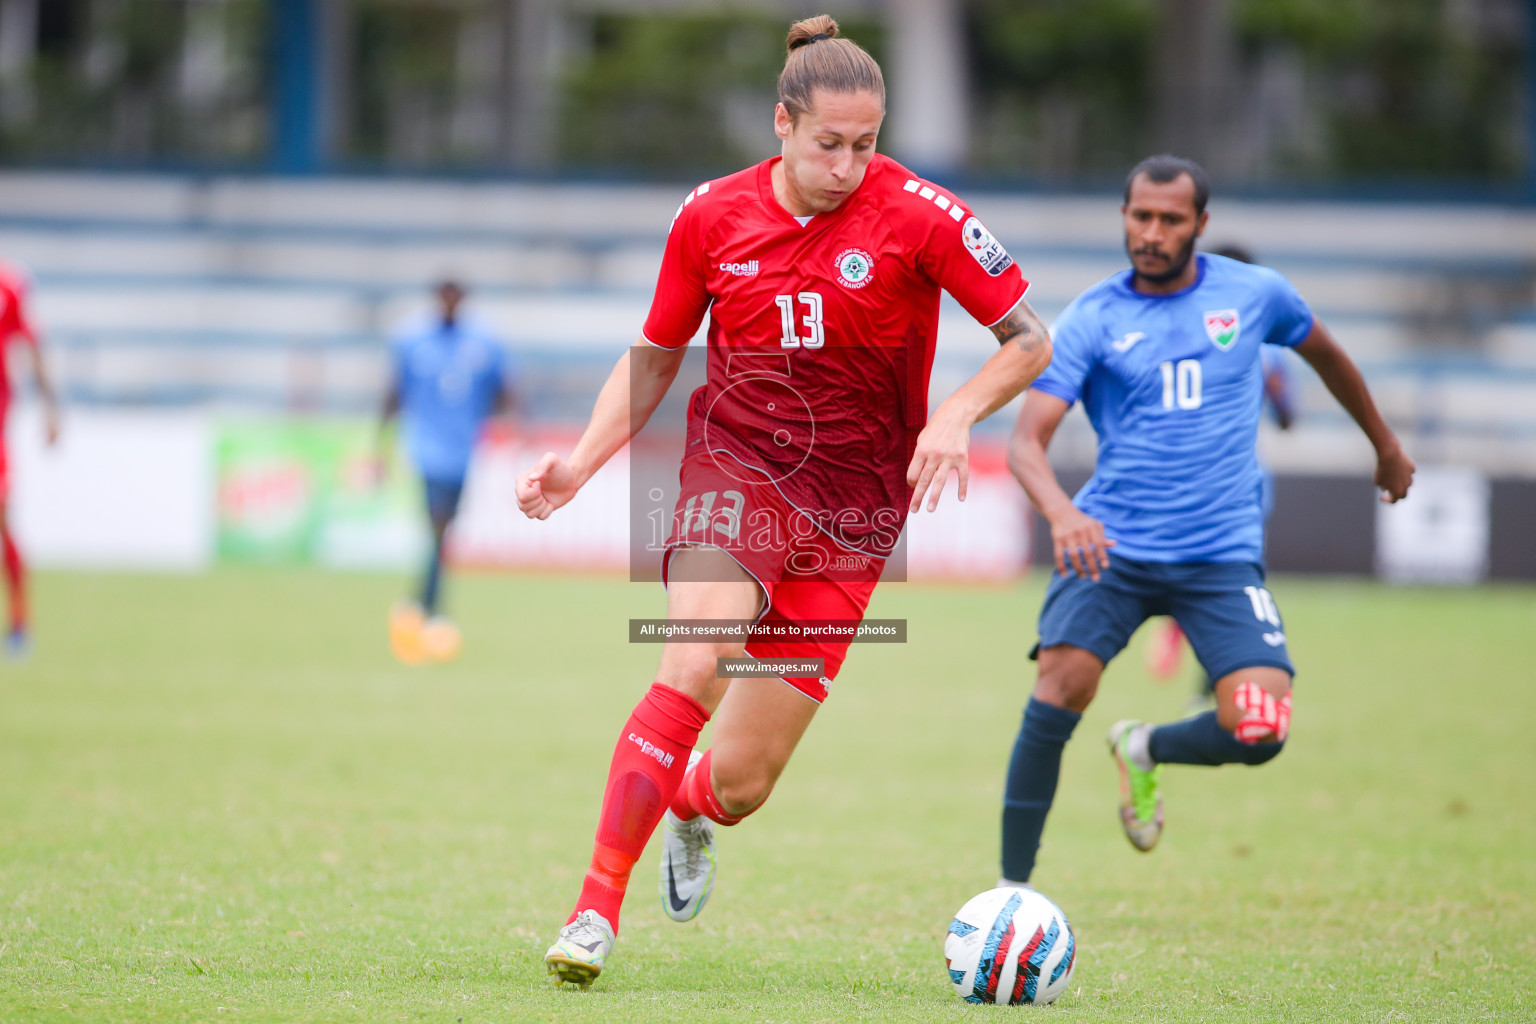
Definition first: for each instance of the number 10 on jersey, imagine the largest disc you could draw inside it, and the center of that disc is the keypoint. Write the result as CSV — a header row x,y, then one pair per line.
x,y
812,320
1181,384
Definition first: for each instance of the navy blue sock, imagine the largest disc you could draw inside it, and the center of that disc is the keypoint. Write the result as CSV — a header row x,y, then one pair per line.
x,y
432,582
1202,740
1032,774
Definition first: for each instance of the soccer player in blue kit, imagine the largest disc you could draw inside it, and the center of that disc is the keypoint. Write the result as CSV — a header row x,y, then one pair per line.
x,y
1280,400
449,377
1166,361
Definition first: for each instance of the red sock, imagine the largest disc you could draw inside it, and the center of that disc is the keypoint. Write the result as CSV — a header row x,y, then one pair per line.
x,y
648,764
15,581
696,796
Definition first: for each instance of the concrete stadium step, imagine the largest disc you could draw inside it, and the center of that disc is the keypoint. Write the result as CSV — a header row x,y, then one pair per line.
x,y
560,211
228,315
376,237
1396,231
220,256
176,265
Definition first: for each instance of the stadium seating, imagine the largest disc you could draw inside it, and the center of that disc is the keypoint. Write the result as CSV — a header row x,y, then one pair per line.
x,y
278,293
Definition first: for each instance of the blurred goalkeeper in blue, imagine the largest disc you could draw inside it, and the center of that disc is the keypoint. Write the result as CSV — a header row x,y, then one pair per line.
x,y
449,377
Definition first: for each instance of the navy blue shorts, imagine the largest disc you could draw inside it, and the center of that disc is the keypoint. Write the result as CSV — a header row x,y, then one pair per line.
x,y
443,498
1230,618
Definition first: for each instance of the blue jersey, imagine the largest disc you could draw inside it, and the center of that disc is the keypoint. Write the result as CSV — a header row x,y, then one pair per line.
x,y
448,379
1173,387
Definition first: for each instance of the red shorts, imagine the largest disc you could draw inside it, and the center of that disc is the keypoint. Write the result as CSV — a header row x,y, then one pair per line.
x,y
807,577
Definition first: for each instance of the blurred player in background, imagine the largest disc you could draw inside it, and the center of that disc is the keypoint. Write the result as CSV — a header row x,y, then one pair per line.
x,y
449,378
16,327
821,272
1166,361
1280,400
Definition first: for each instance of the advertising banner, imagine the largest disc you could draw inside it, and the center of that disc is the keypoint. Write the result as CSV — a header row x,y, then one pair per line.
x,y
121,490
1439,533
305,491
984,538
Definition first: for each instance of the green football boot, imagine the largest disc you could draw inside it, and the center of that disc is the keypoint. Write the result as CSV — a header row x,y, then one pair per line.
x,y
1141,798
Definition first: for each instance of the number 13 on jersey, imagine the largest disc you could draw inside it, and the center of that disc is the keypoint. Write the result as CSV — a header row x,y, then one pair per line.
x,y
812,320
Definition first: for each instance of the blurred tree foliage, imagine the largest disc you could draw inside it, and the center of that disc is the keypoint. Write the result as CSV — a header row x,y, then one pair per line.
x,y
1396,88
1060,85
1406,88
1062,90
402,90
667,92
105,83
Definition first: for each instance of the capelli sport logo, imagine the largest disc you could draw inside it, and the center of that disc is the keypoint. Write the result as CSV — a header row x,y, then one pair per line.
x,y
855,268
651,750
747,269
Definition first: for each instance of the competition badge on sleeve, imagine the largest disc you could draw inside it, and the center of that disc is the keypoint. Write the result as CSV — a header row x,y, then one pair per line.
x,y
985,249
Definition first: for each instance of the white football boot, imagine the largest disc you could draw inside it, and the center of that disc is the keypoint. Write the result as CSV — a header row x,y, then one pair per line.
x,y
687,862
582,949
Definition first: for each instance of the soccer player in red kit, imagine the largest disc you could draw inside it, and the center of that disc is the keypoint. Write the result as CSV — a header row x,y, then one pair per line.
x,y
810,442
15,326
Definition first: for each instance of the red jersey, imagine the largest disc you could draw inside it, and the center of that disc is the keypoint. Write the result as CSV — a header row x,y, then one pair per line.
x,y
821,335
13,321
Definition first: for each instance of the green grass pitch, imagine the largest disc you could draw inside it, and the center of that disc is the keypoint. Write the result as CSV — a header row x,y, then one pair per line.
x,y
220,800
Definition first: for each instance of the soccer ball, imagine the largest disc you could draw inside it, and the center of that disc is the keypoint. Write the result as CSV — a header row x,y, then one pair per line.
x,y
1010,946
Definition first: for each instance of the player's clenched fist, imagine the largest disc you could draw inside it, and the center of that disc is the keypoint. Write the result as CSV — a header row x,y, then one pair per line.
x,y
546,487
1394,474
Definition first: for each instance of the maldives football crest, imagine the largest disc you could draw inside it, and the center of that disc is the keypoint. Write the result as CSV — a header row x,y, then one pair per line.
x,y
1221,327
855,268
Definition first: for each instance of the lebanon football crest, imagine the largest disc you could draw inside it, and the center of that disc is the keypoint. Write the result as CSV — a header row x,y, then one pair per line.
x,y
1221,327
855,267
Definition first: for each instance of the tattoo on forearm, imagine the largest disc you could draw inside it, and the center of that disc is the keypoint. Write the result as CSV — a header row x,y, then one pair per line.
x,y
1023,328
